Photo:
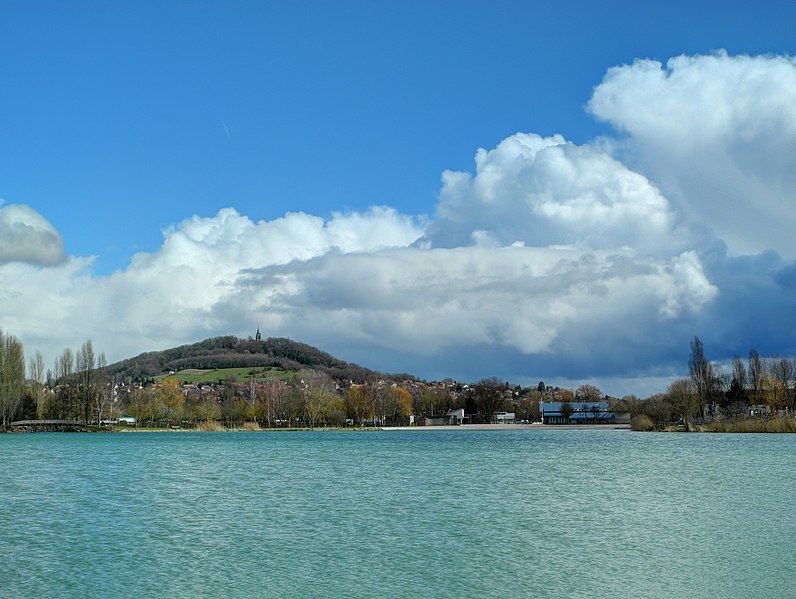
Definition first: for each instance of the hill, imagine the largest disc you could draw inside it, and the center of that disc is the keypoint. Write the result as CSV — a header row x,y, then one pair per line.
x,y
231,352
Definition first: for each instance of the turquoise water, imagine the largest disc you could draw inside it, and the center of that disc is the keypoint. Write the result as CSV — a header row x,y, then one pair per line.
x,y
533,513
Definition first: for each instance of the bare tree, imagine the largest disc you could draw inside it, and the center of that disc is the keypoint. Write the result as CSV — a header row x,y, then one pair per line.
x,y
64,375
64,366
12,376
706,380
589,394
103,394
755,373
36,377
684,400
782,371
86,366
319,393
739,372
488,396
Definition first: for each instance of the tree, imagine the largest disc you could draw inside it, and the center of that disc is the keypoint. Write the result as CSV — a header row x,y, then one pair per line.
x,y
588,393
271,395
207,409
36,377
12,377
103,395
659,409
684,400
488,397
772,392
399,404
783,369
706,381
170,400
63,404
289,406
566,410
527,406
356,403
755,373
739,372
433,401
86,366
319,395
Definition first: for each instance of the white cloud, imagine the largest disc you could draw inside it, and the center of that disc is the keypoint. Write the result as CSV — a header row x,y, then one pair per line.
x,y
168,296
529,299
26,236
543,191
353,282
551,259
717,133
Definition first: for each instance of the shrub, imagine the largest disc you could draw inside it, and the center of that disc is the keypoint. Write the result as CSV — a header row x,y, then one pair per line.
x,y
211,426
642,422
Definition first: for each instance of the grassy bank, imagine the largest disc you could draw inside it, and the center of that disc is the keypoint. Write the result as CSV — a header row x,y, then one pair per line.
x,y
752,425
772,425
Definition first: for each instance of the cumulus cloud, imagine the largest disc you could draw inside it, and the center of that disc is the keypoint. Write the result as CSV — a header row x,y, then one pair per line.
x,y
532,300
542,191
549,259
169,295
594,261
26,236
717,133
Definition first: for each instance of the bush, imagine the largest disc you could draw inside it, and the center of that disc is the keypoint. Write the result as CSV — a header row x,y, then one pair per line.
x,y
251,426
209,426
642,422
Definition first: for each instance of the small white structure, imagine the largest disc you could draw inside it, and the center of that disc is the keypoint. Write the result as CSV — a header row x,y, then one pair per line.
x,y
759,410
455,416
504,418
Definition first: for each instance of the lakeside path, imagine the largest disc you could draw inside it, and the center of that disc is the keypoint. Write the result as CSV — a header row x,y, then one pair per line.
x,y
508,427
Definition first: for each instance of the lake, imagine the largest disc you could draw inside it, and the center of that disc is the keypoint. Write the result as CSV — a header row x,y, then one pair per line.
x,y
528,513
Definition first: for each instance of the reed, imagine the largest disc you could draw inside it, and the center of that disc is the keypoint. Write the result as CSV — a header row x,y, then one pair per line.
x,y
771,425
209,426
642,422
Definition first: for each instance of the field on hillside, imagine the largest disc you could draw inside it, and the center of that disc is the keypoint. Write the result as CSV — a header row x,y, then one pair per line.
x,y
195,375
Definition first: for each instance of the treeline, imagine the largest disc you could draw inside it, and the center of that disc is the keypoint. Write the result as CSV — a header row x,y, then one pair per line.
x,y
12,377
232,352
755,387
312,399
76,388
79,387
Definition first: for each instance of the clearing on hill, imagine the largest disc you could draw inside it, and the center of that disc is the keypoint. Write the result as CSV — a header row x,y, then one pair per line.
x,y
215,375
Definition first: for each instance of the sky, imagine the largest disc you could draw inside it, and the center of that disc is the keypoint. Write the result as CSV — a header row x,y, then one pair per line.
x,y
567,191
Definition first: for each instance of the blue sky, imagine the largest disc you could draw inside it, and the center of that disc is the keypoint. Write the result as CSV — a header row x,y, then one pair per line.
x,y
113,114
567,191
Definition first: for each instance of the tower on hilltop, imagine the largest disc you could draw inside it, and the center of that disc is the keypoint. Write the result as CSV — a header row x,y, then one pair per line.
x,y
257,336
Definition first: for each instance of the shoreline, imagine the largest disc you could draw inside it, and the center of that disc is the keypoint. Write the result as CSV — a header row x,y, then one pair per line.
x,y
461,427
508,427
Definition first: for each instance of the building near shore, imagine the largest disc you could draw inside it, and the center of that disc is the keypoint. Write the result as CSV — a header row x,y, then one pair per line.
x,y
504,418
581,412
453,417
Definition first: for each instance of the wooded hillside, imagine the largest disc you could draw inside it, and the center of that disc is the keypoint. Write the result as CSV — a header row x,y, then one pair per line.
x,y
232,352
